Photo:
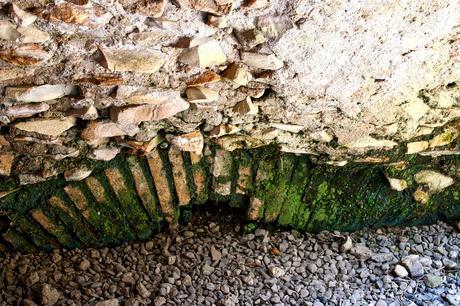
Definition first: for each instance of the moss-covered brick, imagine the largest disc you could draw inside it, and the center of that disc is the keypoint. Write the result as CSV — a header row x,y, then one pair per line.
x,y
179,175
265,187
52,225
163,187
37,234
244,182
144,189
93,188
129,201
222,179
285,167
19,241
96,217
70,216
293,198
200,177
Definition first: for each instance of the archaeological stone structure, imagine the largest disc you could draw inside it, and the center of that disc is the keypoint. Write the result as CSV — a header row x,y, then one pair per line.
x,y
119,117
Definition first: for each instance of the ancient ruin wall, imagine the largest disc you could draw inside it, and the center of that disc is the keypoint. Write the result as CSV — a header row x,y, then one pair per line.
x,y
346,89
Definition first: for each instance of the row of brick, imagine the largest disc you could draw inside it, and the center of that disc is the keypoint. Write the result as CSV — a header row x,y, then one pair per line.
x,y
133,197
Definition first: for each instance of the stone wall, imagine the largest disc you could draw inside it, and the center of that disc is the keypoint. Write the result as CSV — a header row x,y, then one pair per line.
x,y
332,84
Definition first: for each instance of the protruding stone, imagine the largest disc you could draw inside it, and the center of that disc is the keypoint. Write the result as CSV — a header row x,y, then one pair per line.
x,y
145,147
145,95
6,164
397,184
250,38
12,73
216,7
26,110
134,60
261,61
190,142
417,146
238,74
20,16
246,107
207,77
200,94
223,129
87,15
216,21
33,35
40,93
435,181
104,154
446,137
321,136
8,31
50,127
84,113
77,174
24,55
292,128
370,142
101,129
204,55
273,27
139,113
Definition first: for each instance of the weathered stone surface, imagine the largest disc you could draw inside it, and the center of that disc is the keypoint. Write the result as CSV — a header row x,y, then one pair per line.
x,y
92,16
204,55
104,154
26,110
179,175
261,61
413,265
190,142
204,78
435,181
255,205
6,164
102,129
142,95
417,146
369,141
135,114
162,187
50,127
134,60
33,35
222,163
24,55
199,94
49,295
238,74
84,113
40,93
397,184
20,16
246,107
12,73
8,31
77,174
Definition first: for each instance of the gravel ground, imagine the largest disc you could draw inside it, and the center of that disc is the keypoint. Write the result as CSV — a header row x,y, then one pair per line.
x,y
211,263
